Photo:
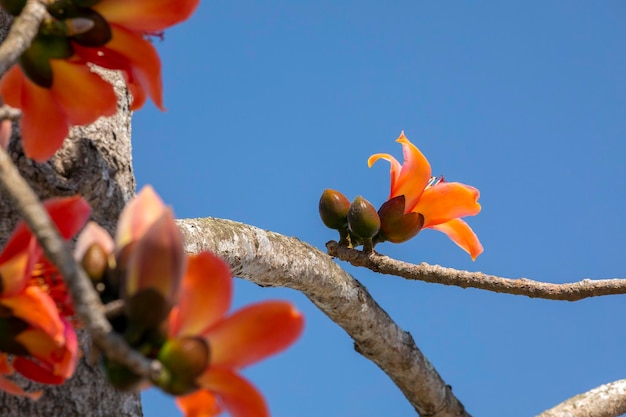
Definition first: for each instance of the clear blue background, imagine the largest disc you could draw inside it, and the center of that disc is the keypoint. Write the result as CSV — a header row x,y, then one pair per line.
x,y
271,102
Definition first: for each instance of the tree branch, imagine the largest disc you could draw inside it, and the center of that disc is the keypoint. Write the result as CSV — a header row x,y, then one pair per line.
x,y
608,400
9,113
447,276
88,307
270,259
21,34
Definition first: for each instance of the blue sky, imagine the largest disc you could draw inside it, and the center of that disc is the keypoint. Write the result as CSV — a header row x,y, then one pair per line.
x,y
269,103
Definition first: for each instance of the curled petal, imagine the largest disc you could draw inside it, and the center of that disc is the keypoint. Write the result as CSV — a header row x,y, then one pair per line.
x,y
254,333
411,178
68,213
239,397
39,310
205,297
36,372
146,15
138,215
201,403
446,201
82,94
462,235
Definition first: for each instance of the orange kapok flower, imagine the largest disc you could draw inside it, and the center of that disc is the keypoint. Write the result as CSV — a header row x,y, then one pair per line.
x,y
54,86
234,341
442,204
31,327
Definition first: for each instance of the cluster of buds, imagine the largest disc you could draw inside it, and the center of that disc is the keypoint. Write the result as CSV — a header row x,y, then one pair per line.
x,y
359,223
417,201
143,267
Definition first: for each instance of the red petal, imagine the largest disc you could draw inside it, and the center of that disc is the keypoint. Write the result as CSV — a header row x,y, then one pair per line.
x,y
82,94
201,403
446,201
68,213
205,297
11,86
254,333
44,125
58,359
36,372
462,235
239,397
146,15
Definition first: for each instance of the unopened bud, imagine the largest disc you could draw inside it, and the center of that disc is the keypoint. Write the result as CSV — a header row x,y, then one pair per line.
x,y
333,208
185,359
363,219
95,262
395,226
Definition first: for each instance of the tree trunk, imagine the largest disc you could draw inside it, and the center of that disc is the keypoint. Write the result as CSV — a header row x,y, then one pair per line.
x,y
96,163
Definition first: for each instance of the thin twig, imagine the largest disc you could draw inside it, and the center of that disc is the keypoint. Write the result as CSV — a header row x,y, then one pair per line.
x,y
608,400
9,113
22,33
113,309
573,291
88,307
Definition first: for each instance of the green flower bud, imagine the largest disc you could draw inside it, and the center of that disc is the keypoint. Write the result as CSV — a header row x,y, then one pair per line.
x,y
35,61
333,209
185,359
363,219
13,7
395,226
146,308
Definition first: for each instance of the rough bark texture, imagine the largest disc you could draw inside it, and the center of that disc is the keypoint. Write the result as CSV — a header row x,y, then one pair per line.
x,y
608,400
96,163
270,259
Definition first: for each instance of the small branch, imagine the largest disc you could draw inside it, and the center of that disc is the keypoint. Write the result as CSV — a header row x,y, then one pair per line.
x,y
447,276
9,113
22,33
113,309
270,259
608,400
86,302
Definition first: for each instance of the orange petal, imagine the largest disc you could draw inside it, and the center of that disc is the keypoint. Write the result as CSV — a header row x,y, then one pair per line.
x,y
93,234
141,63
414,175
201,403
138,215
35,307
206,295
5,366
44,125
11,86
238,396
14,389
462,235
254,333
16,267
146,15
446,201
58,360
82,94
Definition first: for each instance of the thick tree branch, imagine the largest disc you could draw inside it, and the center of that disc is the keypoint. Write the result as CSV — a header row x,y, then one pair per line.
x,y
440,275
21,34
270,259
608,400
86,302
